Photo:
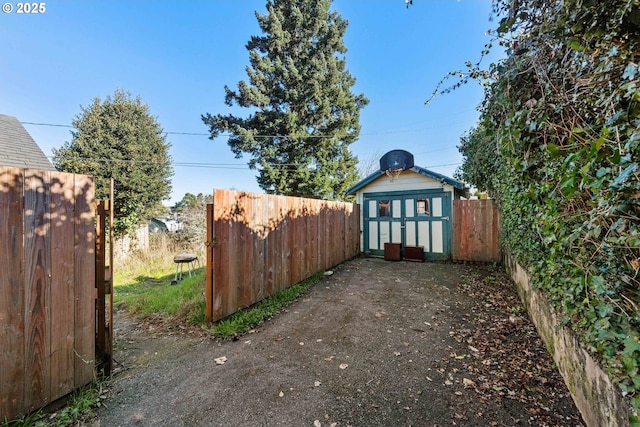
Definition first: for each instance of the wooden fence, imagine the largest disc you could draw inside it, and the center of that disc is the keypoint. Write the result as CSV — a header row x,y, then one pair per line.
x,y
260,244
476,231
47,287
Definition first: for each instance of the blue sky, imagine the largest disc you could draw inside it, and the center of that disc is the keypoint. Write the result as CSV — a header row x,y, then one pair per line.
x,y
178,55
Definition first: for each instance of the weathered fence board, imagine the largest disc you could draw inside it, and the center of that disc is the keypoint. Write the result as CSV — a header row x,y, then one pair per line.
x,y
47,287
265,243
85,274
12,357
62,285
38,288
476,231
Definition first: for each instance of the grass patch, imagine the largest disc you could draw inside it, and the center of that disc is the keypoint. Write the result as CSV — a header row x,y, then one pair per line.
x,y
247,319
156,262
79,408
147,295
142,286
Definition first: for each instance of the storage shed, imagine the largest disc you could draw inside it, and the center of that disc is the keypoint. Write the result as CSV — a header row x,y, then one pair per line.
x,y
408,208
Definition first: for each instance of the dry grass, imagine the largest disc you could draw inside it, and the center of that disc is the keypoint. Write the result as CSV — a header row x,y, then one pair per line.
x,y
143,285
155,263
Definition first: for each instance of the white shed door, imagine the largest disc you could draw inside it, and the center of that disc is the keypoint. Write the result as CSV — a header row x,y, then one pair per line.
x,y
414,219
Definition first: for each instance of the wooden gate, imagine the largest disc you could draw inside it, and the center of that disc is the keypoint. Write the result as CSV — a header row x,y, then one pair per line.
x,y
476,231
47,287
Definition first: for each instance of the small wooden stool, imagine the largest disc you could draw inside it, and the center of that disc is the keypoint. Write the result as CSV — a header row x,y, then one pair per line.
x,y
180,260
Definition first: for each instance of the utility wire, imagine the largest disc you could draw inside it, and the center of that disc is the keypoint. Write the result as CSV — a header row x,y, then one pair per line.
x,y
217,165
204,165
261,136
195,133
387,132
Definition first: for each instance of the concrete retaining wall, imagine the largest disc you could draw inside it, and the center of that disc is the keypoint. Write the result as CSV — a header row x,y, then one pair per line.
x,y
599,400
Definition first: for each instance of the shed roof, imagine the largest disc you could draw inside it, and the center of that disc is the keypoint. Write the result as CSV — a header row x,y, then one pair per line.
x,y
17,147
458,185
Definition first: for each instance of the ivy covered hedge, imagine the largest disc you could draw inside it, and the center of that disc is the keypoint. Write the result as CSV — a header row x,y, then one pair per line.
x,y
558,145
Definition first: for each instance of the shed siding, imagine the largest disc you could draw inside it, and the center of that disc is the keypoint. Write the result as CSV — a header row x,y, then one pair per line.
x,y
407,181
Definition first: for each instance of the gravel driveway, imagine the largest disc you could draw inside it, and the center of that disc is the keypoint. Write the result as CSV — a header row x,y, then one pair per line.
x,y
377,344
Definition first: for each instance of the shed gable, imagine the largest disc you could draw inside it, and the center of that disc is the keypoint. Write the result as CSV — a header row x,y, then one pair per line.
x,y
406,181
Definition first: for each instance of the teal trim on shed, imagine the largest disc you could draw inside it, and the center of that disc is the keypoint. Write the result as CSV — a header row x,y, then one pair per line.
x,y
458,185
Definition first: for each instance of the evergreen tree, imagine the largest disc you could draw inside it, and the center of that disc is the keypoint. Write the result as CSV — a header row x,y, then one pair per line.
x,y
119,138
304,115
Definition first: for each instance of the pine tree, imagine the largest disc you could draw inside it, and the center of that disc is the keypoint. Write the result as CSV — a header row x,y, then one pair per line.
x,y
304,115
119,138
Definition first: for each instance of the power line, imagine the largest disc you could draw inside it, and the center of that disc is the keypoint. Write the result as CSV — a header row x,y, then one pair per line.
x,y
46,124
223,165
235,166
388,132
197,133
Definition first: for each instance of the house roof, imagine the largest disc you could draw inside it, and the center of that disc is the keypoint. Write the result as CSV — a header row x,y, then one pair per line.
x,y
17,147
422,171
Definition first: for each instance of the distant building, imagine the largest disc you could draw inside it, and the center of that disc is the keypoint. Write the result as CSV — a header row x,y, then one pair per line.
x,y
157,226
17,147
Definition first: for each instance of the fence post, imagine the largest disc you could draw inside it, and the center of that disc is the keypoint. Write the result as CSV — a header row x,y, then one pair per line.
x,y
209,278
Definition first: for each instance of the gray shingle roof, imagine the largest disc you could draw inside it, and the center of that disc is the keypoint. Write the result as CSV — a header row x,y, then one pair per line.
x,y
17,148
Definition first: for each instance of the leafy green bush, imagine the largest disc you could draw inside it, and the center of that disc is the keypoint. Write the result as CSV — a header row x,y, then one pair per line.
x,y
558,146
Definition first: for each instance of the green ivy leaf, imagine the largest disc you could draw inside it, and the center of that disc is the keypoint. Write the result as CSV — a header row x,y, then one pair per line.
x,y
574,43
625,174
568,185
631,345
602,172
553,150
598,284
630,71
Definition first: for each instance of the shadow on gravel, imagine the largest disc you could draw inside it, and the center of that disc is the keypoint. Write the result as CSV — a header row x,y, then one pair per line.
x,y
376,344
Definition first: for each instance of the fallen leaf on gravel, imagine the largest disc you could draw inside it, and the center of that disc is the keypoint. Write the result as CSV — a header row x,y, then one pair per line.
x,y
472,348
220,360
396,353
468,383
329,359
343,366
138,418
281,394
447,382
317,383
278,338
316,423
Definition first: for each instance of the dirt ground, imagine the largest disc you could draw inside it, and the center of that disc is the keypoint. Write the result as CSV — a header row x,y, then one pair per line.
x,y
376,344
